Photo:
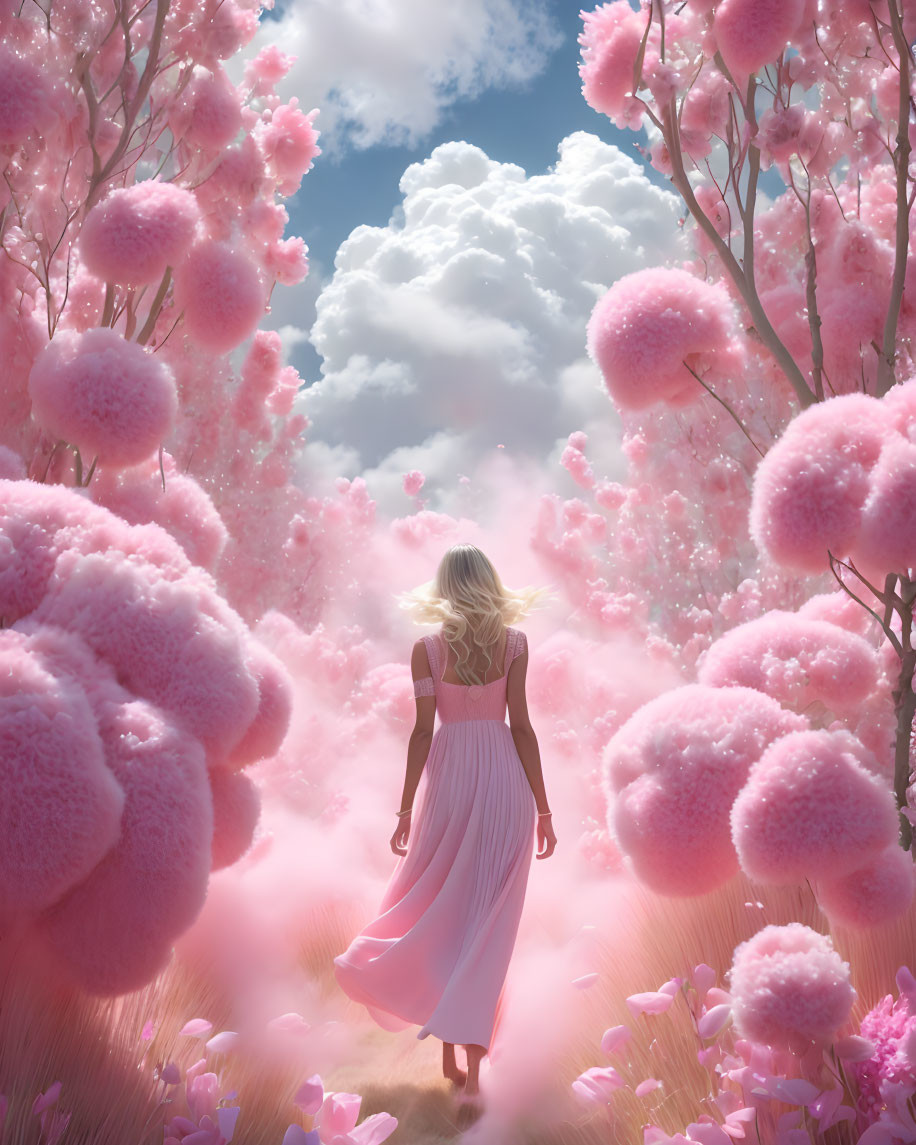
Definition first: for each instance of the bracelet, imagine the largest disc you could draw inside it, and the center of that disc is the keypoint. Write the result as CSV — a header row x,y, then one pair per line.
x,y
407,812
544,814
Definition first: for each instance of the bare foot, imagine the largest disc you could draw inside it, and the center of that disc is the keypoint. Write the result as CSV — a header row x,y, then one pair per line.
x,y
456,1076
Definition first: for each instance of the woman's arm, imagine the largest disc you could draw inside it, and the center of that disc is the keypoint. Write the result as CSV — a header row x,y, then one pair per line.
x,y
526,743
417,747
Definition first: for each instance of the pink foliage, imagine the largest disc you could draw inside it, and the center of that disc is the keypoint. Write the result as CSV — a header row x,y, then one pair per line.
x,y
107,396
133,234
610,43
650,327
751,33
26,97
811,809
220,292
236,807
268,729
114,931
289,143
675,775
182,508
887,536
790,987
874,893
887,1077
12,467
810,489
209,116
173,642
61,807
795,660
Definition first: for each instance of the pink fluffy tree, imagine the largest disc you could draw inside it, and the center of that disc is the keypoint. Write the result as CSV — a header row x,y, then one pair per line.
x,y
142,230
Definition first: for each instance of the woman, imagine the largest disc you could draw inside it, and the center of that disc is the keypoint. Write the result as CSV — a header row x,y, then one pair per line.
x,y
438,952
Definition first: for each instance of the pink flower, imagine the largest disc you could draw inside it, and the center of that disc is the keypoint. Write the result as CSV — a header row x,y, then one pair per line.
x,y
220,292
289,143
133,234
890,1072
110,398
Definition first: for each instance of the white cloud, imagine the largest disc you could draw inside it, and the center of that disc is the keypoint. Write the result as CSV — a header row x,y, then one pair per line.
x,y
460,326
386,70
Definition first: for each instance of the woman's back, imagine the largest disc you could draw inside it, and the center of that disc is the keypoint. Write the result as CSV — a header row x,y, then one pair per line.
x,y
457,702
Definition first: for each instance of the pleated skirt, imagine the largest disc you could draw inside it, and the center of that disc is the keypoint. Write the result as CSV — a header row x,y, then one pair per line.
x,y
438,952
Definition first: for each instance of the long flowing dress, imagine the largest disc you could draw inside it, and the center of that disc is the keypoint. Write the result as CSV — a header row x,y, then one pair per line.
x,y
438,952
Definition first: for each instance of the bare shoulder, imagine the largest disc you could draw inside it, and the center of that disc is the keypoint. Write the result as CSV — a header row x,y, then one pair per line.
x,y
419,660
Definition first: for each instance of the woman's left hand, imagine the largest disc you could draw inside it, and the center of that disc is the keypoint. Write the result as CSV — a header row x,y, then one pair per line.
x,y
400,836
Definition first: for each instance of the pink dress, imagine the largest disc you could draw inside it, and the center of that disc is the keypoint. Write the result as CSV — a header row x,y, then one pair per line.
x,y
438,952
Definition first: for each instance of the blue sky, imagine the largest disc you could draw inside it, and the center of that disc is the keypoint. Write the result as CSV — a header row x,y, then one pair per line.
x,y
520,125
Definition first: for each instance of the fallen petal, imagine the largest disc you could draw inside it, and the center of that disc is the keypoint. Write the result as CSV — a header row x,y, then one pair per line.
x,y
614,1038
714,1020
585,981
652,1002
223,1042
196,1028
647,1086
310,1095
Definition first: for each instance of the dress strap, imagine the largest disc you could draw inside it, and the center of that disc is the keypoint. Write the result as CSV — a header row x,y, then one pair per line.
x,y
432,654
510,646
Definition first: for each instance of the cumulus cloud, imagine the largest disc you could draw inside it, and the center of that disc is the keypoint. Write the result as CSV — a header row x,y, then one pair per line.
x,y
387,71
460,326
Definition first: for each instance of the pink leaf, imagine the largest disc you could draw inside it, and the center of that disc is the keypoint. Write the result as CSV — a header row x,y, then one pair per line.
x,y
825,1106
704,978
597,1083
714,1020
226,1117
585,981
854,1049
652,1002
647,1086
196,1028
707,1133
310,1095
374,1129
223,1042
794,1091
46,1099
614,1038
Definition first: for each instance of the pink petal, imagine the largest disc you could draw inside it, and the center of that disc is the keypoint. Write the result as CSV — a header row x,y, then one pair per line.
x,y
794,1091
291,1023
703,978
788,1121
171,1074
226,1117
296,1135
374,1129
747,1113
196,1028
717,997
585,981
647,1086
652,1002
310,1095
854,1048
672,987
338,1113
714,1020
223,1042
612,1039
736,1131
198,1067
46,1099
877,1135
597,1083
652,1135
707,1133
147,1032
825,1106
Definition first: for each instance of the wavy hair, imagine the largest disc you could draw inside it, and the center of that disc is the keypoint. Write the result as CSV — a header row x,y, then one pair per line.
x,y
472,604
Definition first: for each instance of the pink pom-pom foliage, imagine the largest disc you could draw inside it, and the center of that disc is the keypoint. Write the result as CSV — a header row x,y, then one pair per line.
x,y
790,987
128,678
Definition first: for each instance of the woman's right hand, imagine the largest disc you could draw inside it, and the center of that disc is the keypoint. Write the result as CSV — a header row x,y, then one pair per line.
x,y
547,840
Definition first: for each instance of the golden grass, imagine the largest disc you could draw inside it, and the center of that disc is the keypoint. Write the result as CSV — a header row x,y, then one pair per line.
x,y
94,1047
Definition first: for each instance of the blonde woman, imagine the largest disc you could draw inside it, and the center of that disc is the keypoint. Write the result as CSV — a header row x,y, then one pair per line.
x,y
438,953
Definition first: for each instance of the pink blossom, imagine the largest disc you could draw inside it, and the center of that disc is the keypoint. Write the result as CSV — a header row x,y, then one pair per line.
x,y
134,233
810,489
675,775
27,98
891,1069
610,43
650,327
598,1083
811,809
790,987
289,143
236,808
751,33
107,396
872,894
310,1095
209,115
220,292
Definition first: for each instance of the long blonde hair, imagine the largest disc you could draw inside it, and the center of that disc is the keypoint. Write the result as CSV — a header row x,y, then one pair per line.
x,y
472,603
